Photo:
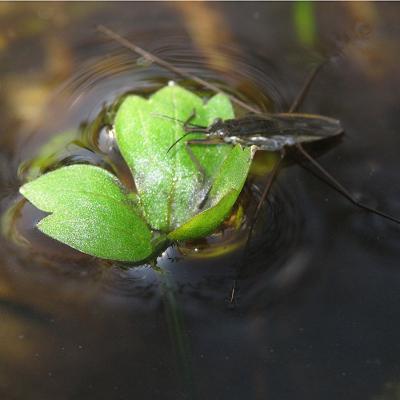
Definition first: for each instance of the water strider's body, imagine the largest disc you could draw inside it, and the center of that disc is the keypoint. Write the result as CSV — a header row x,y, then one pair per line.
x,y
269,132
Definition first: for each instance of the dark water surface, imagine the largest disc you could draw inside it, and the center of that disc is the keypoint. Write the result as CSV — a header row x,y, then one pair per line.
x,y
318,312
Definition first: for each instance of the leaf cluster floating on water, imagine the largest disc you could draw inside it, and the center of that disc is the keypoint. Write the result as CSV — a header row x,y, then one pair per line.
x,y
92,212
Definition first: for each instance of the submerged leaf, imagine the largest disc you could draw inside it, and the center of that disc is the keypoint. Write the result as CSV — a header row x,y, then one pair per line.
x,y
90,212
61,145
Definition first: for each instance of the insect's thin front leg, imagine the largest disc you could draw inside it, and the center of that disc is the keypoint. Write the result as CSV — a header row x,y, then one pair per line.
x,y
189,119
188,127
306,86
264,195
204,141
341,189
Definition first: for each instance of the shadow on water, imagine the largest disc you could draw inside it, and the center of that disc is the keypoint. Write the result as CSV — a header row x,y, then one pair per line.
x,y
317,309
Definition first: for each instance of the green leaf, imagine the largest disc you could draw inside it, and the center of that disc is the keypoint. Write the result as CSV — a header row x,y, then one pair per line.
x,y
232,173
227,186
90,212
170,185
207,221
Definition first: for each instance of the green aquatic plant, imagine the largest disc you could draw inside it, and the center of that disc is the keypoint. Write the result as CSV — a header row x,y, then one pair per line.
x,y
178,196
304,22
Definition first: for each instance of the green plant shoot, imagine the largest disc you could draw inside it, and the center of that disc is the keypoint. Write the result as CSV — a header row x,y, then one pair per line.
x,y
178,197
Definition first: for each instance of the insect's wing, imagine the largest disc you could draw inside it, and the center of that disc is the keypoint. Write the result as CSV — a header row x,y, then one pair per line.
x,y
306,127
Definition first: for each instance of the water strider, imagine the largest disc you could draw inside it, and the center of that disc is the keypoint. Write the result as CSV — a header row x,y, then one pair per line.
x,y
268,132
275,133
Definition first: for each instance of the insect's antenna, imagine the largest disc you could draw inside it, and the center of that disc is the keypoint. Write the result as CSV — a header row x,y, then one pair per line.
x,y
192,130
178,140
341,189
138,50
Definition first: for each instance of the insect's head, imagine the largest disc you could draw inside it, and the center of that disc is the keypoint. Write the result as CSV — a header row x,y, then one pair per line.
x,y
217,129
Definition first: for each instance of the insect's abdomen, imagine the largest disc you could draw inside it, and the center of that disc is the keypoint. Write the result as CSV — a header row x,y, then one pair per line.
x,y
249,126
306,127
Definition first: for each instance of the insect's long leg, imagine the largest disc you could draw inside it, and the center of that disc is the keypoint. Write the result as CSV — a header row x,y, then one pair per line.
x,y
201,141
185,124
306,86
341,189
157,60
264,195
296,103
196,162
194,158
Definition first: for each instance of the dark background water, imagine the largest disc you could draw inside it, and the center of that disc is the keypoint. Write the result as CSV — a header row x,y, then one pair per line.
x,y
318,311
